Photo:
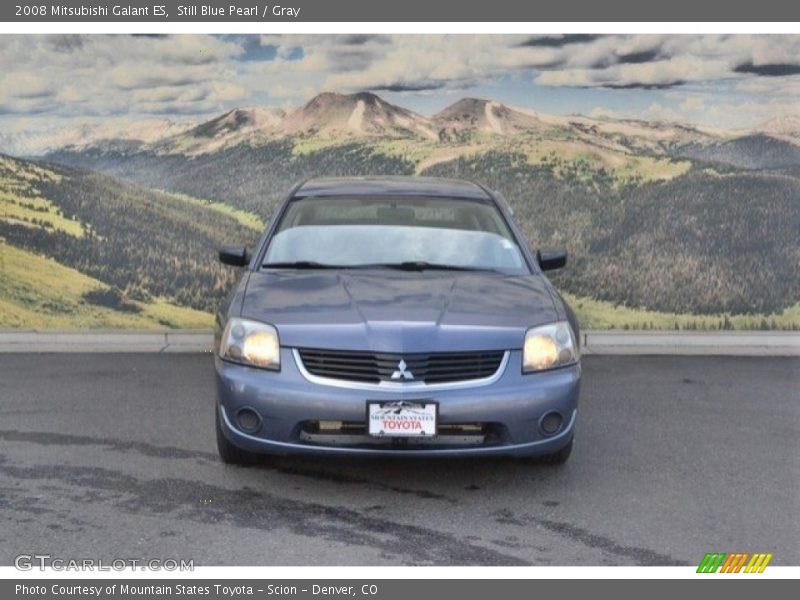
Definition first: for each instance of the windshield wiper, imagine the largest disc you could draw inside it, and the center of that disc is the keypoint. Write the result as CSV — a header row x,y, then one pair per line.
x,y
422,265
409,265
300,264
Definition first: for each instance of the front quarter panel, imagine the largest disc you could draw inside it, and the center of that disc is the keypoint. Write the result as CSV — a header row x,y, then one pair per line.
x,y
564,310
231,307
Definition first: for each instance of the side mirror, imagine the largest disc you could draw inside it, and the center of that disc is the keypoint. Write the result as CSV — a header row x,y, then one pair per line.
x,y
235,256
551,259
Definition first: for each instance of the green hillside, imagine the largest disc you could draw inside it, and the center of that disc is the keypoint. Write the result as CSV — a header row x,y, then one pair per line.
x,y
666,225
147,247
38,293
704,243
599,314
642,231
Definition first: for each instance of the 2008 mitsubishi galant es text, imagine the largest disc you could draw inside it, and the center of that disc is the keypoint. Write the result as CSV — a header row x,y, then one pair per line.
x,y
395,317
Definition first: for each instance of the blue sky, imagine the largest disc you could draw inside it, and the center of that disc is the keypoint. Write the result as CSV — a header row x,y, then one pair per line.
x,y
721,81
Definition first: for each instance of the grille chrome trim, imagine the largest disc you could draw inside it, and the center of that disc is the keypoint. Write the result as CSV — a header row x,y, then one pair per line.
x,y
345,440
395,386
428,367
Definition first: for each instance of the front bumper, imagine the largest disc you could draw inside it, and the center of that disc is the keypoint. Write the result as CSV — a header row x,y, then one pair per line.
x,y
287,401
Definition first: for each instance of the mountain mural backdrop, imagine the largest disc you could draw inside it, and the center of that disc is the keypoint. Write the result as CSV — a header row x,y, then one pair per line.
x,y
667,225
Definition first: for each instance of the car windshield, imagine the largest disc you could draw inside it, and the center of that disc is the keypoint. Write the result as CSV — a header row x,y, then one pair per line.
x,y
387,231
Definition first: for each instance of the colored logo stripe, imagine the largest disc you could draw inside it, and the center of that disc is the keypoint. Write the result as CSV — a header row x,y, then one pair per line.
x,y
758,563
711,562
734,562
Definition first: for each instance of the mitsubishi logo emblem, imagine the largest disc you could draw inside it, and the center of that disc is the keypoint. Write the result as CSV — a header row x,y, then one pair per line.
x,y
402,371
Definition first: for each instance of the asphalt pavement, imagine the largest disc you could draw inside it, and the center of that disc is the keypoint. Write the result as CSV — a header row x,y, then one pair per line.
x,y
113,456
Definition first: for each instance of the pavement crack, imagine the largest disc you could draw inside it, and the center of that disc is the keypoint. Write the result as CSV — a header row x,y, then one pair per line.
x,y
323,475
172,452
47,438
209,504
641,556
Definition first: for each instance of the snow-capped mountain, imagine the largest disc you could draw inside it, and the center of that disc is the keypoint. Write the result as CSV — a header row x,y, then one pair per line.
x,y
487,116
362,114
241,125
785,127
80,136
334,117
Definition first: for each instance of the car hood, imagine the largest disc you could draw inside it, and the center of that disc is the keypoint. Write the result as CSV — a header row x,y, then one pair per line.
x,y
396,311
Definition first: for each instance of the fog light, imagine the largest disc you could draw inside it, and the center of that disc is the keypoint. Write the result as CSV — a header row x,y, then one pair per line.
x,y
329,425
551,423
248,420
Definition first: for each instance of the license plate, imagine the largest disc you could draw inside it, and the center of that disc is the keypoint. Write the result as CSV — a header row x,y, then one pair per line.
x,y
402,418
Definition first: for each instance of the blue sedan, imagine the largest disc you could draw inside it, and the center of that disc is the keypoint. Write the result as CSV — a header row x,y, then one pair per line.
x,y
395,316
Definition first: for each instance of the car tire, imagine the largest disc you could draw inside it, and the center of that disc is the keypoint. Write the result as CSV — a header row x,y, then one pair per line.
x,y
229,453
556,458
559,457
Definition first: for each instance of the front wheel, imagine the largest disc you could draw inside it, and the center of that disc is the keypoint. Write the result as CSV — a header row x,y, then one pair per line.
x,y
230,453
559,457
556,458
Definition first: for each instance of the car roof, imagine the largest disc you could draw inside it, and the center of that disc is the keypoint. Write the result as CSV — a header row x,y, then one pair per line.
x,y
391,186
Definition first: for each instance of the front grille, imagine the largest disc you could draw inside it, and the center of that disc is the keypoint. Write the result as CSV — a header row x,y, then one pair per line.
x,y
374,367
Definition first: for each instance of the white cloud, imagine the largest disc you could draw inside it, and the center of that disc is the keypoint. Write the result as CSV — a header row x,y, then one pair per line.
x,y
19,84
747,113
603,113
68,76
106,75
693,103
775,87
658,112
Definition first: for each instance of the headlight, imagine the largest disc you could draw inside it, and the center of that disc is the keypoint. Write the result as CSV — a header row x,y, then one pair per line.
x,y
251,343
549,346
